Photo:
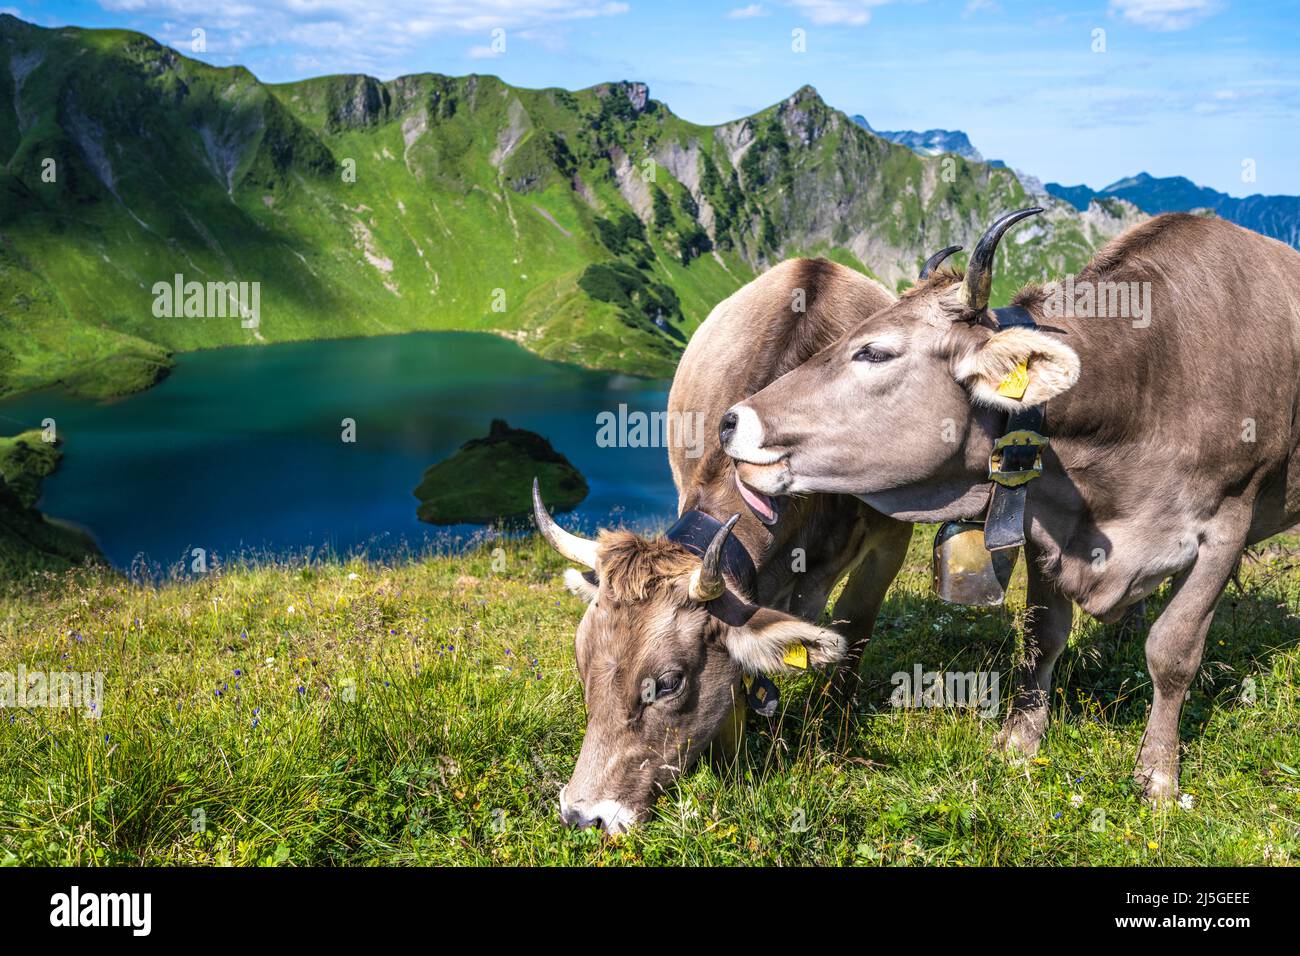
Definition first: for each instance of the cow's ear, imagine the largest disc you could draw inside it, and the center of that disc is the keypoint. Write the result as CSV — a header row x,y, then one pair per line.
x,y
775,641
1018,367
579,586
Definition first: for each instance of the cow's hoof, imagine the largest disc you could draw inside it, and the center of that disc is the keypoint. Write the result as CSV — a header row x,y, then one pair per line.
x,y
1022,734
1158,786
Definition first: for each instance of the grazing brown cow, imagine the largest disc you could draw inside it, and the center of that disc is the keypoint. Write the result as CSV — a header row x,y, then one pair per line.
x,y
675,624
1173,435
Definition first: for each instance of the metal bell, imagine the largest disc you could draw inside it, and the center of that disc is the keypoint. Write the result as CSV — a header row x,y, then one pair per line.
x,y
965,571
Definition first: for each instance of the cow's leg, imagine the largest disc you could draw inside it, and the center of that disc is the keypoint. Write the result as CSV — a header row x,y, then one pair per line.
x,y
1050,614
1174,650
859,603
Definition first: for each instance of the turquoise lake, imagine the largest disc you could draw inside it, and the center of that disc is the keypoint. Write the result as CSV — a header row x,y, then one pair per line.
x,y
241,449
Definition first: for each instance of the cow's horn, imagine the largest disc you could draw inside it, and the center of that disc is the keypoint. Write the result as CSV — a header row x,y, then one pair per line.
x,y
936,260
979,272
576,549
706,580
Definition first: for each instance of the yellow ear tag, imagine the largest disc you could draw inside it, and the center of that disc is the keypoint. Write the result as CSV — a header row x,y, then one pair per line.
x,y
796,655
1015,384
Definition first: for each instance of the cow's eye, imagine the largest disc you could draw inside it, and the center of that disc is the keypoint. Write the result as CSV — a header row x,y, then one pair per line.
x,y
668,684
869,354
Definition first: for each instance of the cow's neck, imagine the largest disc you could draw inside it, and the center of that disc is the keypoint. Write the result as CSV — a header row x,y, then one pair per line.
x,y
961,490
1075,523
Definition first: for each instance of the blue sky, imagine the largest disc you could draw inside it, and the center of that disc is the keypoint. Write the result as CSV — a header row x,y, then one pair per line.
x,y
1182,87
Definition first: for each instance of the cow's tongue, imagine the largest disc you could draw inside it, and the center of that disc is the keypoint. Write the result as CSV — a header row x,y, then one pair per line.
x,y
759,502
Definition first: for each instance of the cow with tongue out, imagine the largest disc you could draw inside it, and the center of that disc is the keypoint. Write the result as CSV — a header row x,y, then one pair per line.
x,y
680,629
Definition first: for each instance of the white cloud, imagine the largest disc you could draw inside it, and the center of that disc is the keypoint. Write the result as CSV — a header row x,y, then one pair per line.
x,y
974,7
852,13
481,53
746,13
346,34
1165,15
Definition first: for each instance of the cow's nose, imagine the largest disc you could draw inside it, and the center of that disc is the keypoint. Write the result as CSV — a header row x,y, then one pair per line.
x,y
727,427
573,817
609,815
572,813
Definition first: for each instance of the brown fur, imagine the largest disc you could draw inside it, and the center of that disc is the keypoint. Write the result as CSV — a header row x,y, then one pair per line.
x,y
936,282
641,623
633,568
1177,445
1147,242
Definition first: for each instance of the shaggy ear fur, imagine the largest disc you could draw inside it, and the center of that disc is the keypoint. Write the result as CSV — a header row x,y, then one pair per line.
x,y
579,586
1052,365
760,646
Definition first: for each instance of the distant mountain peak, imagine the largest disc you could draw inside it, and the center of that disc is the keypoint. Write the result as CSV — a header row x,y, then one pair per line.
x,y
1274,216
637,93
1141,179
930,142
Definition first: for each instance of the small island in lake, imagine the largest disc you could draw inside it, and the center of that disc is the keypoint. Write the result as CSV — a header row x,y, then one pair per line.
x,y
29,541
492,478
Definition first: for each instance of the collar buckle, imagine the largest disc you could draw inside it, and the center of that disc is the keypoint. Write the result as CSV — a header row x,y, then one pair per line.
x,y
1017,458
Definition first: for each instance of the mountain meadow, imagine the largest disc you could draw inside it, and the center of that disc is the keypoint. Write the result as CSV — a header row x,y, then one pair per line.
x,y
427,711
424,708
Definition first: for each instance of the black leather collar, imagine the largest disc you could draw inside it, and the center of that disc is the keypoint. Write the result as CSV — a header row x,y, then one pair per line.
x,y
694,531
1004,525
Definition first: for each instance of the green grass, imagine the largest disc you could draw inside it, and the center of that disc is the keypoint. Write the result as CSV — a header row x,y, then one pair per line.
x,y
427,711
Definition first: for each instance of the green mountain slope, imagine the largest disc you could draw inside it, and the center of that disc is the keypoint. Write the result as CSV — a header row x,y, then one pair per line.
x,y
594,226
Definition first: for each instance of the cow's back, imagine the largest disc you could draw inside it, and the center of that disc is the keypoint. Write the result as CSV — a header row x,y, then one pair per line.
x,y
751,338
1206,390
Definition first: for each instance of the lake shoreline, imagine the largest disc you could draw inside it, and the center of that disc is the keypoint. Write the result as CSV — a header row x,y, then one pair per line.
x,y
517,336
245,449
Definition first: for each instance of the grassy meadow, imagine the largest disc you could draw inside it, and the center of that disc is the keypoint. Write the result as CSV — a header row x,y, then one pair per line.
x,y
427,711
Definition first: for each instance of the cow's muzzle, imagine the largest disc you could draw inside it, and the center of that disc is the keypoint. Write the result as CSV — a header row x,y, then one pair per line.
x,y
610,815
772,479
741,434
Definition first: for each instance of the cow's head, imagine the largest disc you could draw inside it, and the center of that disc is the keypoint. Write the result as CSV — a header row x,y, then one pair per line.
x,y
660,672
903,409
